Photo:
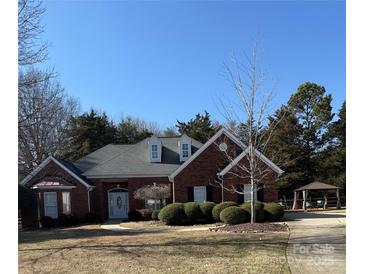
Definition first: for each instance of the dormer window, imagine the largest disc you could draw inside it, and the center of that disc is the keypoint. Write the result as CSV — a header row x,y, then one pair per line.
x,y
154,149
154,152
185,147
185,150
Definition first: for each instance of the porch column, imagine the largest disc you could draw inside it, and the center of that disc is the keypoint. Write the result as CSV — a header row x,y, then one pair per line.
x,y
305,200
295,200
325,195
338,206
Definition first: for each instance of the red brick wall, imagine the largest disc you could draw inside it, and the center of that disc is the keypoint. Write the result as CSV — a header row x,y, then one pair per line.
x,y
100,193
203,170
79,196
268,181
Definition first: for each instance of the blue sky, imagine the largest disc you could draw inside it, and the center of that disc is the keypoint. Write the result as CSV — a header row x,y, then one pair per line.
x,y
163,61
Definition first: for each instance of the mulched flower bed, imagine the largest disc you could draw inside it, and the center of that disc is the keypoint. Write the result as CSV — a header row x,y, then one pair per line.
x,y
253,228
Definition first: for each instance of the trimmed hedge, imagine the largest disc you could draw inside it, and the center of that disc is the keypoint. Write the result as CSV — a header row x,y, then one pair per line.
x,y
146,214
219,207
192,211
234,215
134,215
48,222
206,209
259,210
92,218
273,212
155,215
67,220
172,214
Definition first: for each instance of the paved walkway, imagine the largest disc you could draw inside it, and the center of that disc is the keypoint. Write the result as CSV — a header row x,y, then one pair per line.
x,y
317,242
114,225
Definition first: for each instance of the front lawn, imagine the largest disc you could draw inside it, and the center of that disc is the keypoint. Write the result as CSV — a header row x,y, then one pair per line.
x,y
88,249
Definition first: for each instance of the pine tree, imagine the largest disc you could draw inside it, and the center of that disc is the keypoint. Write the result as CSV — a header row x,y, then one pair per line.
x,y
313,110
332,161
285,148
87,133
200,128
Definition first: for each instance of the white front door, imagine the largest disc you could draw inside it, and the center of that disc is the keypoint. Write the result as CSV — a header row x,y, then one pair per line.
x,y
118,205
50,204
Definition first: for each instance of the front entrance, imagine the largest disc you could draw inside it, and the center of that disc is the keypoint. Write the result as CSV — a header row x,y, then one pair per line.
x,y
118,205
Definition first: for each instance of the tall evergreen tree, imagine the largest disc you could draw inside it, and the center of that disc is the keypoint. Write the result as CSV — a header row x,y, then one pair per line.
x,y
312,108
332,162
132,130
200,128
87,133
285,148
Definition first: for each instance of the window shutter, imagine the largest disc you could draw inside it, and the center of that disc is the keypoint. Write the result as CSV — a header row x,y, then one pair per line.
x,y
209,193
190,194
240,197
260,194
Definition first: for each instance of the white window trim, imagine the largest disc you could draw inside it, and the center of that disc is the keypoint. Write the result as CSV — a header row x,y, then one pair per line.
x,y
45,206
205,193
69,203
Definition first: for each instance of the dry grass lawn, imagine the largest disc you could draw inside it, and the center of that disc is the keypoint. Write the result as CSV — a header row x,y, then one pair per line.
x,y
88,249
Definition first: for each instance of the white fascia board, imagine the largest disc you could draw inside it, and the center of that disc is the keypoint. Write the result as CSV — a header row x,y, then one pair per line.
x,y
243,154
204,147
53,187
44,163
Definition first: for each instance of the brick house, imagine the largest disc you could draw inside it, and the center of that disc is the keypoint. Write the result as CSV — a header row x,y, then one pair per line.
x,y
104,181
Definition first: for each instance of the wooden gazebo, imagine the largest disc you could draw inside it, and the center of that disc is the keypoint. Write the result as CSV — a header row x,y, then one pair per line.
x,y
319,187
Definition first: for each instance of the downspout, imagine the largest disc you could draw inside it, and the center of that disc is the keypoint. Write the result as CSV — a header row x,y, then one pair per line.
x,y
173,189
88,198
220,177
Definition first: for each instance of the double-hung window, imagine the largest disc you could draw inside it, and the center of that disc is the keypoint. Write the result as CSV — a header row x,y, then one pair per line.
x,y
200,193
154,151
185,150
66,202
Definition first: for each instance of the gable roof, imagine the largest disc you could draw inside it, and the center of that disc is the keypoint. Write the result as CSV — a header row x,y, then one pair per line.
x,y
69,168
133,160
243,154
317,186
204,147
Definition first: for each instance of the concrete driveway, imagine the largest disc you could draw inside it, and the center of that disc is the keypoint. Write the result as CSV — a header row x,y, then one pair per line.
x,y
317,242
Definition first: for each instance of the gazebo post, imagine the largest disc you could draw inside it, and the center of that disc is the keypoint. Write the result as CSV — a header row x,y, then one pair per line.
x,y
325,194
338,206
305,200
295,200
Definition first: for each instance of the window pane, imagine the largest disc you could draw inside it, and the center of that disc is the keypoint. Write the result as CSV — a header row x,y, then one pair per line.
x,y
66,202
200,194
247,195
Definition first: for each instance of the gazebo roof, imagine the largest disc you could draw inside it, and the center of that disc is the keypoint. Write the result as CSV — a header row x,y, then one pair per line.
x,y
317,186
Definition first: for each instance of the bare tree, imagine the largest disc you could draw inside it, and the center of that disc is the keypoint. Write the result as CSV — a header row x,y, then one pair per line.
x,y
156,192
44,111
246,114
31,49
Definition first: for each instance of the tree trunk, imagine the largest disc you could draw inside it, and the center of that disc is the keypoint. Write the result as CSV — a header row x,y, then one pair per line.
x,y
253,213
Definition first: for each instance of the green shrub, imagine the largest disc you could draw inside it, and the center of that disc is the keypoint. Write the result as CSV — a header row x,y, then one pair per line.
x,y
273,212
192,211
27,199
234,215
155,215
172,214
260,214
67,220
134,215
146,214
219,207
91,218
47,222
206,209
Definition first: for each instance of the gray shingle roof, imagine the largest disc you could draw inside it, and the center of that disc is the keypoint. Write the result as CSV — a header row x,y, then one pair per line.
x,y
132,160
